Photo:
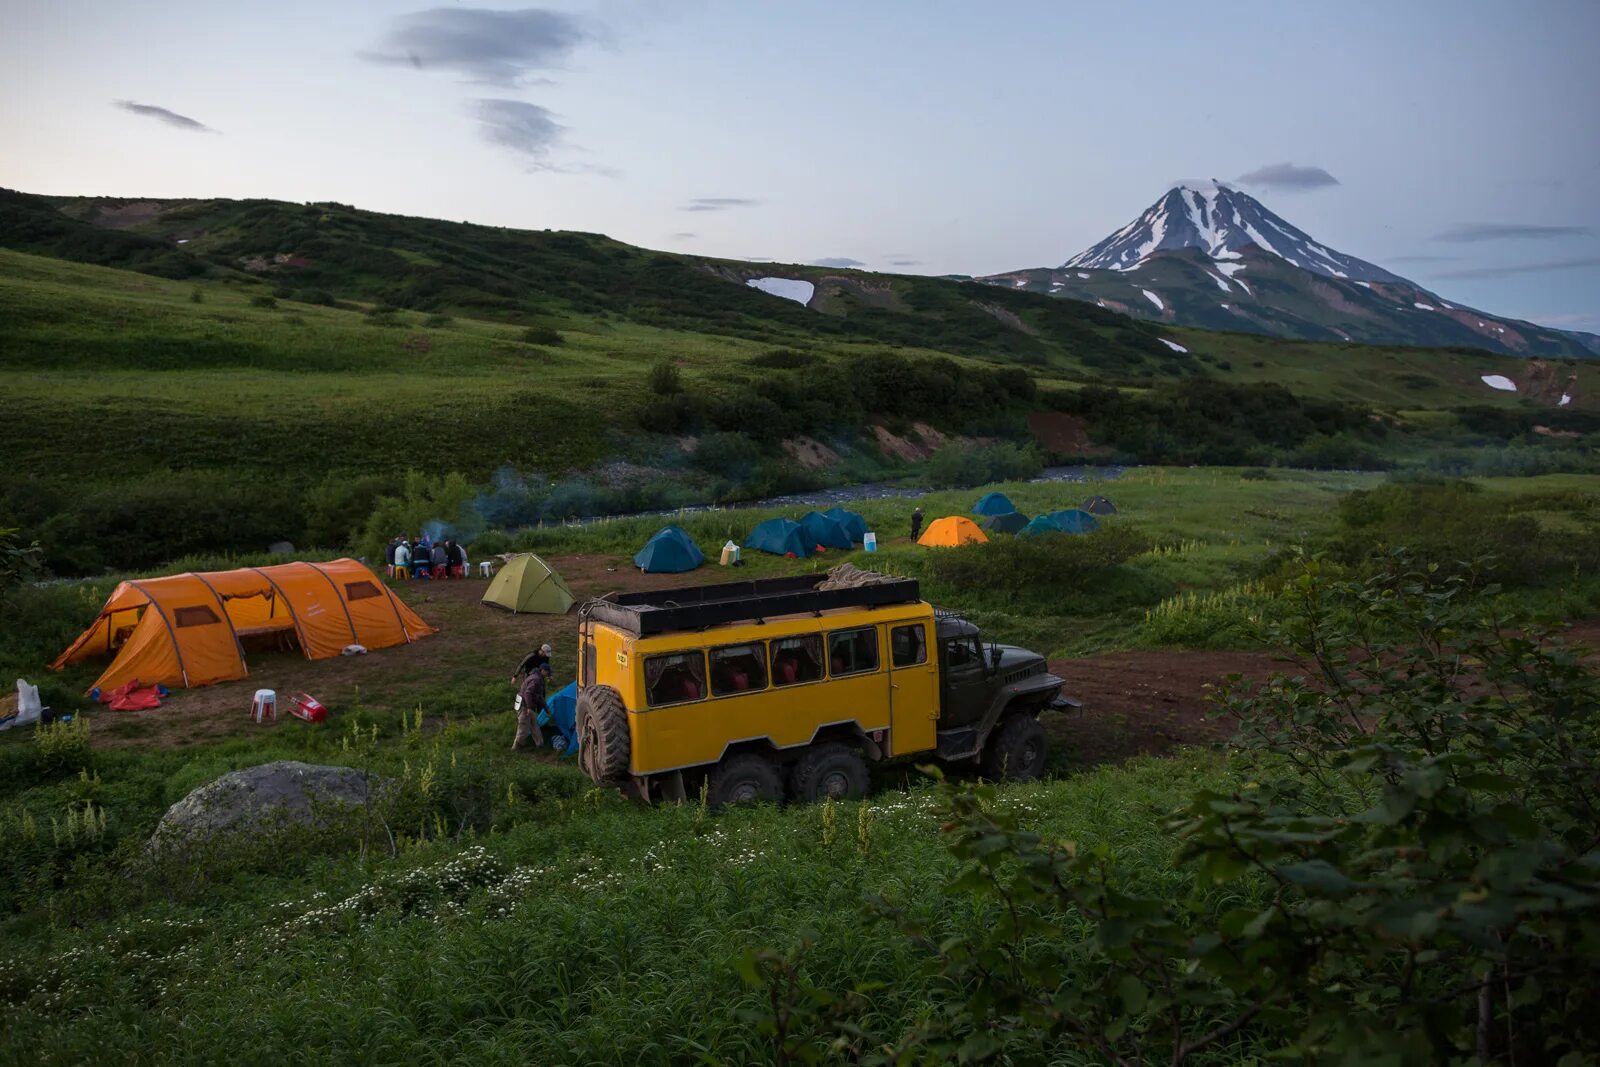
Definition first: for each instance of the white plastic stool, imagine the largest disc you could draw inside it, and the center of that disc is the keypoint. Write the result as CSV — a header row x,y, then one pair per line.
x,y
264,705
485,569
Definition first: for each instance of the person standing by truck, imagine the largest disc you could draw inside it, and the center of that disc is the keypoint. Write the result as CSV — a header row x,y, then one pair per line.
x,y
530,702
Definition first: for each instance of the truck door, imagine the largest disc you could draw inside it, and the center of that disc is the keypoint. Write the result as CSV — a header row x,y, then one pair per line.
x,y
913,690
966,694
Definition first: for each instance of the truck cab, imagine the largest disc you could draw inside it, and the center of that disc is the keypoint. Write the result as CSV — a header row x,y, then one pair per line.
x,y
791,687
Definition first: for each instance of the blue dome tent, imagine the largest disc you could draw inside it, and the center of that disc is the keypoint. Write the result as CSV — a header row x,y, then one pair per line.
x,y
826,531
993,504
670,551
1075,521
1011,522
781,537
853,522
1039,524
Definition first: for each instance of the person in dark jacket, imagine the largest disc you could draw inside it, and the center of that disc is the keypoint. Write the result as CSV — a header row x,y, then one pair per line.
x,y
440,559
916,524
530,702
458,559
388,554
539,657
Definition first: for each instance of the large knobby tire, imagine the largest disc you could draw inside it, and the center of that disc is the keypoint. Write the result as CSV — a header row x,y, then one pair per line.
x,y
1016,750
745,778
604,747
829,770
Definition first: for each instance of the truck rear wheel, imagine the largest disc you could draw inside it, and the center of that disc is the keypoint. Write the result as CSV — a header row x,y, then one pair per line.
x,y
745,778
1016,750
829,770
603,742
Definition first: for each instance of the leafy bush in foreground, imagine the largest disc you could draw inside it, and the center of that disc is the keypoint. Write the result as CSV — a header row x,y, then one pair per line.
x,y
1412,874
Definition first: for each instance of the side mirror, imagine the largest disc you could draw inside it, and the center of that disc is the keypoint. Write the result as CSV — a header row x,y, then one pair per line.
x,y
994,657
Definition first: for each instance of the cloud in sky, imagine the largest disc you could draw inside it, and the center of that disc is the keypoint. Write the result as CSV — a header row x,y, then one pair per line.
x,y
161,114
682,236
1289,177
718,203
905,263
492,47
1498,231
527,129
1575,263
1420,259
837,261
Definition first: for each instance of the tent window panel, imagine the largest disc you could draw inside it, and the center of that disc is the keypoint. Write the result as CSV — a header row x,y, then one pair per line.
x,y
908,645
361,591
676,678
797,659
853,651
738,669
200,615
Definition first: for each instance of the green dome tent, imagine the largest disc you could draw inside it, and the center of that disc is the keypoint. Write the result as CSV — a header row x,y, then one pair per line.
x,y
1075,521
669,551
993,504
854,523
528,583
1039,524
781,537
1011,522
825,531
1099,505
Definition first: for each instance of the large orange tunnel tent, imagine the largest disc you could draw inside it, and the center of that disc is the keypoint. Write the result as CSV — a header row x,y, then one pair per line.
x,y
188,630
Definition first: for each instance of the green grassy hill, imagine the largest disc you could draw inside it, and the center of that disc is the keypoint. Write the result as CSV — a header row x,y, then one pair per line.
x,y
164,398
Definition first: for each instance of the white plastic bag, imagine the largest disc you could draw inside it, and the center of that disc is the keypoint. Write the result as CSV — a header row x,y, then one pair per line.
x,y
28,705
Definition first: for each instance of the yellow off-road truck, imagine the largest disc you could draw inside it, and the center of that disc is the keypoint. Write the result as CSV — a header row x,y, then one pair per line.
x,y
778,688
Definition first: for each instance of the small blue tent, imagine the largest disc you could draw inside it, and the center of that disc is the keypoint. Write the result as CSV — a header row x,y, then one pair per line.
x,y
825,530
993,504
1075,521
1039,524
670,551
854,524
781,537
563,715
1011,522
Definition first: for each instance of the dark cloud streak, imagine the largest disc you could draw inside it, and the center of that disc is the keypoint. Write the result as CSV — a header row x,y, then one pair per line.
x,y
161,114
1499,231
1576,263
1288,176
489,47
526,129
718,203
837,261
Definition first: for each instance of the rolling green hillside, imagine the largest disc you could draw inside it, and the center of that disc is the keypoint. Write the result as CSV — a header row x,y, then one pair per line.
x,y
166,397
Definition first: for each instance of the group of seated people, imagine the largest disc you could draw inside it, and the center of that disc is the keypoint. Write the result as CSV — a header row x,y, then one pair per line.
x,y
426,558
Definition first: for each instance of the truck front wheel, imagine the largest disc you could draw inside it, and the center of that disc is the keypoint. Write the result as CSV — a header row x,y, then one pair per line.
x,y
1016,751
829,770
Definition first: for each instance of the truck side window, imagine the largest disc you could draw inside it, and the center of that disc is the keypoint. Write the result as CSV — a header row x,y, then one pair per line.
x,y
960,652
797,659
853,651
909,645
674,679
738,669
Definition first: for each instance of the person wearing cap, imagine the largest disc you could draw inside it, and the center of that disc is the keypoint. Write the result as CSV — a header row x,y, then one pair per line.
x,y
916,524
533,661
530,704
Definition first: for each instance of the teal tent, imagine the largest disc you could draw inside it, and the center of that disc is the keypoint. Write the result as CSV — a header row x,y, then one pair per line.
x,y
993,504
1075,521
825,531
1009,523
1039,524
781,537
854,524
670,551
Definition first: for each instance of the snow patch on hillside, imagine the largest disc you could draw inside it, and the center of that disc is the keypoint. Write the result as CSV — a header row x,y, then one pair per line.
x,y
1154,299
794,289
1500,382
1221,283
1175,346
1423,307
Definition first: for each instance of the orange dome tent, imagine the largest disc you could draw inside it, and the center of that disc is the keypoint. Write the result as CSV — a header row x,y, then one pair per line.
x,y
952,530
187,630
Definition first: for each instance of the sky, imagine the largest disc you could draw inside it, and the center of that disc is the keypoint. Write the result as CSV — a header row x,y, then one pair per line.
x,y
1456,143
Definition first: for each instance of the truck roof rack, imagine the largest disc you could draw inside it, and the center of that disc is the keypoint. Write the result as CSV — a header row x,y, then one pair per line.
x,y
699,607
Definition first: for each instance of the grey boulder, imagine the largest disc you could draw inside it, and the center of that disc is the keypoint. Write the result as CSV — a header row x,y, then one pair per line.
x,y
269,796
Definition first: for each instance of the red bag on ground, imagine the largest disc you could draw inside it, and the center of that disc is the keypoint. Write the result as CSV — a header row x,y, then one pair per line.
x,y
132,696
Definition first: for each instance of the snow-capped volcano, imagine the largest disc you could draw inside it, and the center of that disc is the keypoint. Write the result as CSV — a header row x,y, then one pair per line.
x,y
1219,221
